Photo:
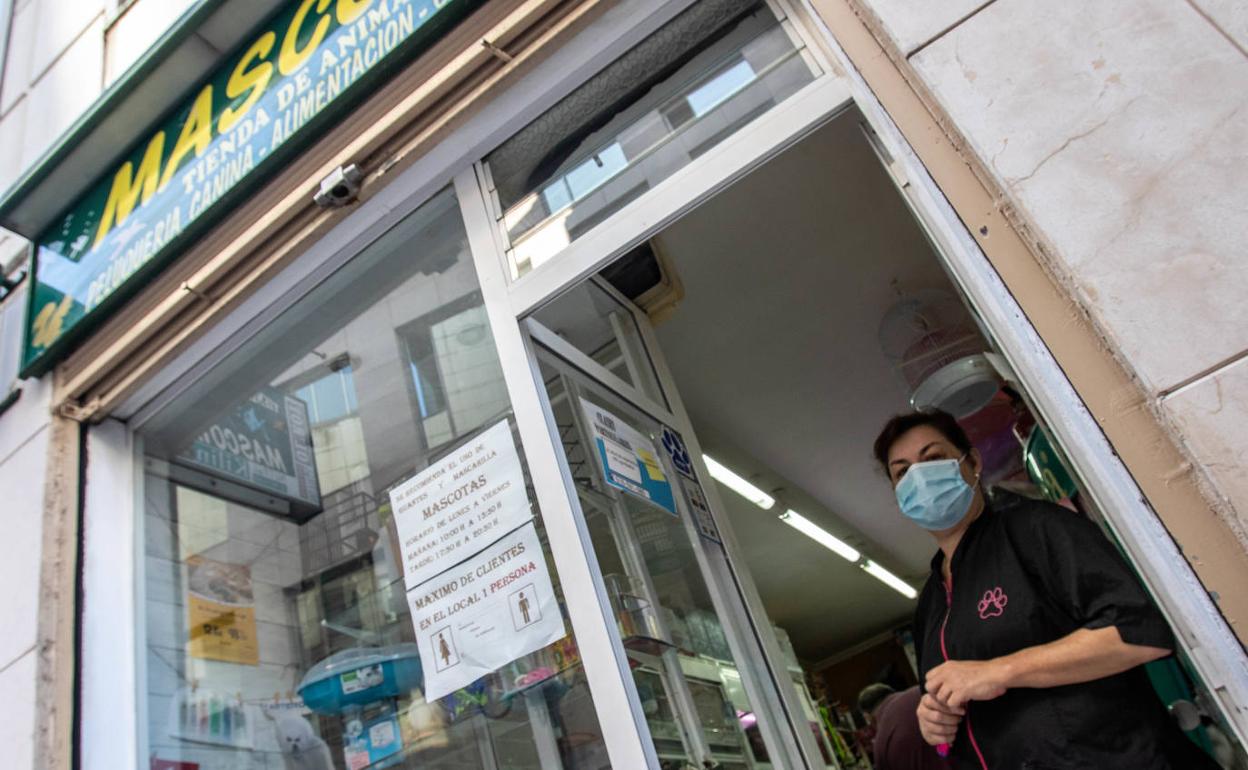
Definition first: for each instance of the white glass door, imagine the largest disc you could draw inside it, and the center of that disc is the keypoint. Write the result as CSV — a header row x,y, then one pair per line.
x,y
711,679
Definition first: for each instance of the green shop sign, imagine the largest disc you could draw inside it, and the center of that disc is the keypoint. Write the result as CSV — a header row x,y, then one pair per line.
x,y
263,105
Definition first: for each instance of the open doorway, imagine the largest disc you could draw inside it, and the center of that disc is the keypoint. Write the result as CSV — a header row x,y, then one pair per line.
x,y
790,315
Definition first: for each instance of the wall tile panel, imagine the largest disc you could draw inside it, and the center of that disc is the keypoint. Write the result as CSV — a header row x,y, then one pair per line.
x,y
21,547
17,713
64,93
1120,131
61,22
137,30
1231,16
911,23
1211,416
19,55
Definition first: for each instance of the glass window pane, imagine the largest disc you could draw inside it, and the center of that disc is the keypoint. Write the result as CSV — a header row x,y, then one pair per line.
x,y
685,672
599,326
340,572
709,72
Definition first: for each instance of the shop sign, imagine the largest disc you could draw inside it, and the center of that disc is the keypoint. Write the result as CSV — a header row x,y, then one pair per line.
x,y
629,461
264,443
312,60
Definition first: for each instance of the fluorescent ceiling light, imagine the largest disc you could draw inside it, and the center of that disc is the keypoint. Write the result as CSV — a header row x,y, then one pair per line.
x,y
890,580
738,484
820,535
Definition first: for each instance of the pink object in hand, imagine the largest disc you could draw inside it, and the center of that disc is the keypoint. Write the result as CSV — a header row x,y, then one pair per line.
x,y
943,749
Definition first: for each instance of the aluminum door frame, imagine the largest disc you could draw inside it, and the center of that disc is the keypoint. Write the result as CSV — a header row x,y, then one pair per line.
x,y
762,666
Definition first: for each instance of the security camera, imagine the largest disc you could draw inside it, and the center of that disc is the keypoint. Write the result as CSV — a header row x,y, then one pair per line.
x,y
340,188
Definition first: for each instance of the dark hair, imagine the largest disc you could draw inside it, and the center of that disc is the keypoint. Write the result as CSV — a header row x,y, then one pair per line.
x,y
901,424
872,696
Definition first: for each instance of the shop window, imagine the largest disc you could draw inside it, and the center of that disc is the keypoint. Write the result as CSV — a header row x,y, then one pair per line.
x,y
302,609
709,72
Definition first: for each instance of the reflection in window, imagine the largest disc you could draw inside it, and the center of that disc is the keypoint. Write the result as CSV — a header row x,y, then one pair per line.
x,y
456,381
585,178
331,397
640,120
279,627
710,94
337,433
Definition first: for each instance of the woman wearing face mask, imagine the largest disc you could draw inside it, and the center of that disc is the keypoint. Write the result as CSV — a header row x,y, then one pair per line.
x,y
1031,631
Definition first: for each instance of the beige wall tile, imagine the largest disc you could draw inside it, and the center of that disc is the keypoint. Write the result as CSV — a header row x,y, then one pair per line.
x,y
911,23
1120,131
1211,416
1231,16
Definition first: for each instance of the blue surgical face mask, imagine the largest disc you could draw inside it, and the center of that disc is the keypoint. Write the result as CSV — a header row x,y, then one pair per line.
x,y
934,495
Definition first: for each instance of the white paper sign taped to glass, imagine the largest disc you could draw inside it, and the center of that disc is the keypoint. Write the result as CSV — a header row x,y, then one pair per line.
x,y
493,609
460,504
701,511
628,458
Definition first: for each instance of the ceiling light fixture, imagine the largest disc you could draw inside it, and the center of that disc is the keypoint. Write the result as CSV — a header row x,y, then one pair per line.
x,y
820,535
889,579
738,484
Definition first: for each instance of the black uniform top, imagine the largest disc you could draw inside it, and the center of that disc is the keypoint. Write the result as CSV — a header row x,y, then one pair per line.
x,y
1025,573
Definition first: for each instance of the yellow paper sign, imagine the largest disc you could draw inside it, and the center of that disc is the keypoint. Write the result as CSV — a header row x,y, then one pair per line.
x,y
221,611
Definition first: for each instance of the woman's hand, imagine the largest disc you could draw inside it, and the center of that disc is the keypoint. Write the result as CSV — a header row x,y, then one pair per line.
x,y
954,683
937,722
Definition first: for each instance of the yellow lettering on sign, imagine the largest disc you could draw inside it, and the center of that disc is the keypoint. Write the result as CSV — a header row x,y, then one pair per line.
x,y
244,80
292,56
127,186
348,11
196,134
50,321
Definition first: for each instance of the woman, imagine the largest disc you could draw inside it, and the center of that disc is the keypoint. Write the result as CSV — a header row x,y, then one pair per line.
x,y
1031,631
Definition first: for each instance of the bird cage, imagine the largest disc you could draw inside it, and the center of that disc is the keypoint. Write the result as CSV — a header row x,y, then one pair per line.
x,y
938,353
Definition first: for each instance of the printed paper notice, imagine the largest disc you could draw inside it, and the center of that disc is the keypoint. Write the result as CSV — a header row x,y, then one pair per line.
x,y
702,518
628,458
460,504
489,611
222,611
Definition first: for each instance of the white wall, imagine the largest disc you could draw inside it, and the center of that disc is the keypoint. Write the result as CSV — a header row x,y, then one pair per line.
x,y
23,462
60,56
1119,131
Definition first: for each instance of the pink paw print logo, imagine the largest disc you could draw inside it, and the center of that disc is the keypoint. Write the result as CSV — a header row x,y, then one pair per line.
x,y
993,604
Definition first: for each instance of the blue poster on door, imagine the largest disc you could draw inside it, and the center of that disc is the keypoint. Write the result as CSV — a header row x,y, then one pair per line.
x,y
628,458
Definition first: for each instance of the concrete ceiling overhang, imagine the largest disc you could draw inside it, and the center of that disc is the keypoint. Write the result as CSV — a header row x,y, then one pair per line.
x,y
156,84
